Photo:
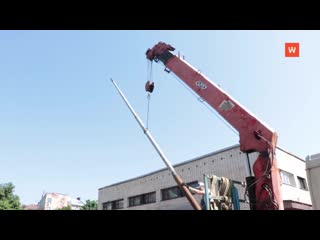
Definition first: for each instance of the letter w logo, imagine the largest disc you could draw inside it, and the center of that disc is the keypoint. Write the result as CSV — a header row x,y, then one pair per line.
x,y
292,50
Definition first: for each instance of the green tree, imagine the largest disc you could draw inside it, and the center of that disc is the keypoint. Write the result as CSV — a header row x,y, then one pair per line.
x,y
65,208
90,205
9,201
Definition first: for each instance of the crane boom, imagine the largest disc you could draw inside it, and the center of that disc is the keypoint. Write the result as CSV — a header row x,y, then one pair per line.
x,y
255,136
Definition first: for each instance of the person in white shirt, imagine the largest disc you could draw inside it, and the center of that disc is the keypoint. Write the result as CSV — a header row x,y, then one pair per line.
x,y
200,191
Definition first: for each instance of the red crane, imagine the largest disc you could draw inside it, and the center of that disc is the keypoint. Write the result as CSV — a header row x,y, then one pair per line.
x,y
255,136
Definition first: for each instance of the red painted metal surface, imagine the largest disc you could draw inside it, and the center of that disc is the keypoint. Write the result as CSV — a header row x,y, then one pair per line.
x,y
255,136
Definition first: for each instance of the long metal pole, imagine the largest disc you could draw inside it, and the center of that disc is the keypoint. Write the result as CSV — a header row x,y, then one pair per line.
x,y
206,195
176,177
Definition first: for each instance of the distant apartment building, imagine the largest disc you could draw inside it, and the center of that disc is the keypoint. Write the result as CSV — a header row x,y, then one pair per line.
x,y
159,191
53,201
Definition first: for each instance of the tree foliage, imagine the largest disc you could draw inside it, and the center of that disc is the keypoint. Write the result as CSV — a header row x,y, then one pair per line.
x,y
90,205
8,200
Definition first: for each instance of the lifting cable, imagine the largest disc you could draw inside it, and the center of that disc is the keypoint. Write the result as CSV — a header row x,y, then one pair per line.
x,y
149,88
149,96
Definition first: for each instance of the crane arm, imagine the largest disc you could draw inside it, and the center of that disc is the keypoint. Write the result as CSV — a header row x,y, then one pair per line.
x,y
255,136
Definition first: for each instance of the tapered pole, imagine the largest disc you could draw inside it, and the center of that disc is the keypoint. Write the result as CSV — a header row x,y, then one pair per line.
x,y
176,177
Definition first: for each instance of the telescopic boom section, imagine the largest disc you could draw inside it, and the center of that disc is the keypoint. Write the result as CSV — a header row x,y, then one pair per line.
x,y
255,136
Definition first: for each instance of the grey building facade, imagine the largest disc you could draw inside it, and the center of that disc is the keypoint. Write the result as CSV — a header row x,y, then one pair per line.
x,y
158,190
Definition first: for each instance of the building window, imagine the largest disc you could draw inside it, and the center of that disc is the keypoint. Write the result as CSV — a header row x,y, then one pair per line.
x,y
149,197
171,193
49,200
302,183
135,201
193,184
287,178
176,192
106,206
142,199
117,204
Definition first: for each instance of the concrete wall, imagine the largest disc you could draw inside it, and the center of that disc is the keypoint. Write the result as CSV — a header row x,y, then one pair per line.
x,y
230,163
313,173
298,169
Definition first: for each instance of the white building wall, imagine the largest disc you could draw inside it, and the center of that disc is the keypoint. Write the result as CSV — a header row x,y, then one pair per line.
x,y
298,169
230,163
53,201
295,166
313,173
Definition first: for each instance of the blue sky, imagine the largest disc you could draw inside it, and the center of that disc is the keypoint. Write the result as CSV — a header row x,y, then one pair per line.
x,y
64,127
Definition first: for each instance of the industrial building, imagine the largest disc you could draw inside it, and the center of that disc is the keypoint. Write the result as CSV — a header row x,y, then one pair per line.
x,y
158,190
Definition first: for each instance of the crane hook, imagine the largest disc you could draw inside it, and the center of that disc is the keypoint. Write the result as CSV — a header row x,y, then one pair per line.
x,y
149,86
